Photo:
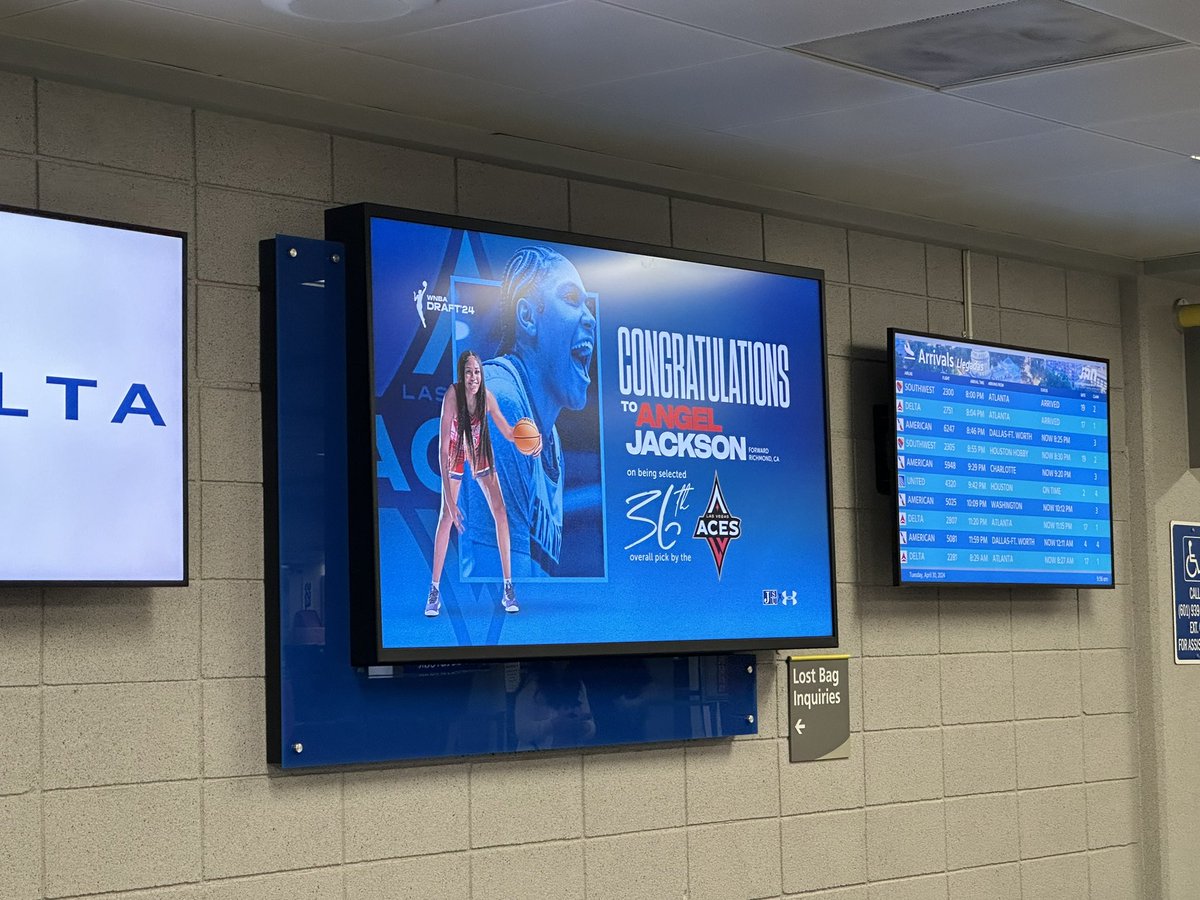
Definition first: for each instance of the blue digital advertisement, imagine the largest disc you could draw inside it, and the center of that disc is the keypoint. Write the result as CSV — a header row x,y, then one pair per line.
x,y
1002,465
581,447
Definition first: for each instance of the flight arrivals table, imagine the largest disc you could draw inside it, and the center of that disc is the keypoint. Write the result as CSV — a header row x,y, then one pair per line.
x,y
1000,481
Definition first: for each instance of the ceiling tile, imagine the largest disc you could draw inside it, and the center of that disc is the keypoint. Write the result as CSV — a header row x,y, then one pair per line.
x,y
732,92
561,47
778,23
1036,157
132,30
1151,83
16,7
925,122
1177,17
1177,131
257,14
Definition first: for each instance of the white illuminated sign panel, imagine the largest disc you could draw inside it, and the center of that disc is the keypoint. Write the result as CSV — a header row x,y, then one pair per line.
x,y
92,411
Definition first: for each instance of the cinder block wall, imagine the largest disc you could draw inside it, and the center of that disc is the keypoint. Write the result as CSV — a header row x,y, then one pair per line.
x,y
995,748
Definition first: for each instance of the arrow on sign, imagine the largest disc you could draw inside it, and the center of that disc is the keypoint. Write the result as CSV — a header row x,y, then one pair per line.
x,y
800,726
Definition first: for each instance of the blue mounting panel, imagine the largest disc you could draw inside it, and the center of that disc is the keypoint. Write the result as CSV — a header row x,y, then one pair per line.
x,y
322,711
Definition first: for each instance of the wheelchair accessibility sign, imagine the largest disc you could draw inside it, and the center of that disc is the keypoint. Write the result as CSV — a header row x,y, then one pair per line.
x,y
1185,572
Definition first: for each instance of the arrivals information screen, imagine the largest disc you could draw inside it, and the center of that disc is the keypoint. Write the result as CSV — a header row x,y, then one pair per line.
x,y
1002,464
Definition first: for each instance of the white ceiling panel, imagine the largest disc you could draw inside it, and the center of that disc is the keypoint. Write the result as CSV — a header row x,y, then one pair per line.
x,y
778,23
256,14
1153,83
561,47
1179,18
1038,157
358,79
135,31
927,121
1178,131
16,7
714,95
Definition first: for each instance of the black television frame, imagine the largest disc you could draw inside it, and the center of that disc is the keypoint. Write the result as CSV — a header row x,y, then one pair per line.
x,y
350,226
894,469
183,384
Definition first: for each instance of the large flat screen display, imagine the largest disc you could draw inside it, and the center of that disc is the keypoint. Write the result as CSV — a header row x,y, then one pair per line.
x,y
647,468
1002,464
92,413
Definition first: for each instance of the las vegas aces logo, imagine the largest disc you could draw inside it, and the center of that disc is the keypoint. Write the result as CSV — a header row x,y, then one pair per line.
x,y
718,525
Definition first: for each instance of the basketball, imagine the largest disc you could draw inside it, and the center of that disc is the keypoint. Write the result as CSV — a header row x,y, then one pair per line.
x,y
526,437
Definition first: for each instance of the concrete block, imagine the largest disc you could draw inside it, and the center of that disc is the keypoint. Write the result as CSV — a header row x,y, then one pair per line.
x,y
227,339
887,262
944,273
979,758
231,641
528,799
1046,684
315,884
843,470
407,812
716,229
903,765
622,213
17,113
1094,297
798,243
234,725
132,634
536,872
18,180
976,687
985,280
118,196
634,791
20,739
231,530
875,536
898,621
1105,619
1113,818
1033,287
366,172
834,851
924,887
633,866
1116,874
116,130
260,824
908,839
446,876
975,624
768,680
1049,752
21,849
845,545
840,396
1092,339
849,620
986,883
985,323
1122,552
1061,877
1107,681
229,225
20,636
732,781
821,786
858,892
231,435
856,696
1045,619
1033,330
873,312
946,317
121,838
1053,821
261,156
901,692
837,320
1110,747
121,733
486,191
870,384
738,860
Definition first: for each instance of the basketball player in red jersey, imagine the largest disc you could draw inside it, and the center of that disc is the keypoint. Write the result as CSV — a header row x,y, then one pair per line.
x,y
464,436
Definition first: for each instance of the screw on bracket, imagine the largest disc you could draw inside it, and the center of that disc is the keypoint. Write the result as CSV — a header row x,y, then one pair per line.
x,y
749,720
293,252
298,747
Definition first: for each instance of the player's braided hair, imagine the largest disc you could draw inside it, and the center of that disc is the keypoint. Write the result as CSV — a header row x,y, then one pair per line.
x,y
522,276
